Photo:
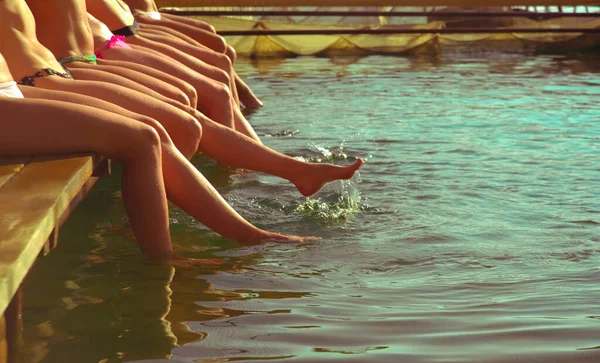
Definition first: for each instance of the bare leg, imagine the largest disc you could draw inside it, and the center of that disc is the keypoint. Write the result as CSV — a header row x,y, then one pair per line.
x,y
90,72
159,29
217,79
66,128
199,31
243,126
231,53
245,94
165,45
182,85
195,23
213,107
205,54
185,131
243,152
165,89
185,185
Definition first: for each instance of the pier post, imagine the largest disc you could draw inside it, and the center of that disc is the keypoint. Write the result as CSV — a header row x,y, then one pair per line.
x,y
13,318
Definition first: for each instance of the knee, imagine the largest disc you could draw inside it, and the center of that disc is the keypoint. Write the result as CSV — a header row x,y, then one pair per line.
x,y
224,62
220,45
222,92
197,131
190,137
150,137
182,98
144,144
185,138
210,28
162,133
221,76
192,94
231,53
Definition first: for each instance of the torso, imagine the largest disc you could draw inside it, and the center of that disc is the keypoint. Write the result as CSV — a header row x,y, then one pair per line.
x,y
62,27
23,52
114,13
5,75
100,31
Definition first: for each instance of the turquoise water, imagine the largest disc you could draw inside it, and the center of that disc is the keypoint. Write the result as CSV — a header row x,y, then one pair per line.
x,y
472,233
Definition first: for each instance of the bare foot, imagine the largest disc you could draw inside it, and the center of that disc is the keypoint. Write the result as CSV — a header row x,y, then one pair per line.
x,y
276,237
252,104
265,236
311,180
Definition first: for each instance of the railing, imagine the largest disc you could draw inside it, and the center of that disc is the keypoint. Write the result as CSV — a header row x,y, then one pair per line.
x,y
389,31
420,3
259,12
395,30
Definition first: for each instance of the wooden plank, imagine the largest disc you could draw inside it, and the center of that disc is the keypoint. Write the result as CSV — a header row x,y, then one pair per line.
x,y
7,172
9,167
31,204
287,3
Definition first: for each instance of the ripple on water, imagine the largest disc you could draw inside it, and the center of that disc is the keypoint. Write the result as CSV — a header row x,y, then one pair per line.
x,y
471,234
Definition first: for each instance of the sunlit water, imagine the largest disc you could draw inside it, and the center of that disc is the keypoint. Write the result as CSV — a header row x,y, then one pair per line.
x,y
472,233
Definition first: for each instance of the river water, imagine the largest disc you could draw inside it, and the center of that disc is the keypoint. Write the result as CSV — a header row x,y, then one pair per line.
x,y
472,233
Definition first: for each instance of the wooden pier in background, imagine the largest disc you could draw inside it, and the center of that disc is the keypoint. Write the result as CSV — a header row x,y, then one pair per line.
x,y
258,8
346,3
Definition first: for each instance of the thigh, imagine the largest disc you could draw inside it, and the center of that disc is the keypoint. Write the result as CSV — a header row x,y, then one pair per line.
x,y
50,127
140,78
164,46
154,73
181,126
189,21
203,85
84,100
201,52
207,37
90,72
158,29
152,59
95,74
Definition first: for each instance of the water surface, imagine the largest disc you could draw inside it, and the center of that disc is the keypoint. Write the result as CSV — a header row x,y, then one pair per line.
x,y
472,233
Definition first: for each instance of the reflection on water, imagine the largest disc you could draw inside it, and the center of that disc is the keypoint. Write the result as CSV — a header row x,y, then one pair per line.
x,y
471,234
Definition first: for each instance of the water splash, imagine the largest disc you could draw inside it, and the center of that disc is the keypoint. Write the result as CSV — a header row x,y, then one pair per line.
x,y
284,133
338,206
327,155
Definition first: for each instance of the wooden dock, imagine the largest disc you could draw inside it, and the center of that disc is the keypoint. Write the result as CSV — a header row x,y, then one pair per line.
x,y
36,196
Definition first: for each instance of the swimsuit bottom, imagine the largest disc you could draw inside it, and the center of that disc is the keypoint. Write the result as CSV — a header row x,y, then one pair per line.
x,y
30,80
116,41
151,14
10,89
91,59
127,31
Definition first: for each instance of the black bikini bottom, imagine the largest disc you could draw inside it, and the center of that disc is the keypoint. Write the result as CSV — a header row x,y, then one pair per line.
x,y
127,31
30,80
